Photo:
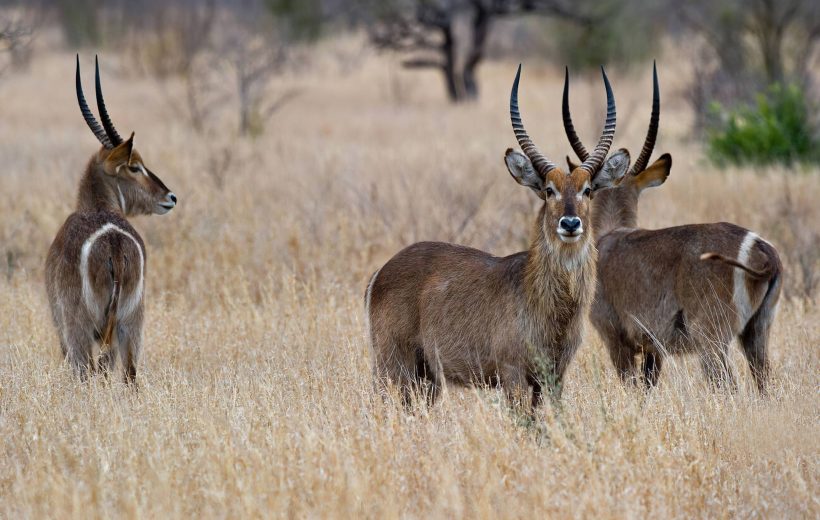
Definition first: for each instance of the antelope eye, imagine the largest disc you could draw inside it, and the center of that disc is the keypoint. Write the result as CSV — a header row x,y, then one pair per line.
x,y
587,192
550,192
134,169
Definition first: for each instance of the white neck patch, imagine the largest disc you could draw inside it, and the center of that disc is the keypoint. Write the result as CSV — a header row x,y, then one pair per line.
x,y
122,198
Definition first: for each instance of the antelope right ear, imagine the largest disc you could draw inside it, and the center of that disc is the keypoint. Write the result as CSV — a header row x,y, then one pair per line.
x,y
656,174
120,155
572,165
612,171
522,170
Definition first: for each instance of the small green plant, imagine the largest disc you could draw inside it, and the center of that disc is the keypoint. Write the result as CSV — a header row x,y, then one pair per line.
x,y
776,129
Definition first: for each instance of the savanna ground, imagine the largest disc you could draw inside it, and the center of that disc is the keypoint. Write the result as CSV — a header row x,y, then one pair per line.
x,y
255,392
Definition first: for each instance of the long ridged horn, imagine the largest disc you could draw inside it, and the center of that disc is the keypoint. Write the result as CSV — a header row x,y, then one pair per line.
x,y
594,161
88,115
569,128
542,164
106,120
652,133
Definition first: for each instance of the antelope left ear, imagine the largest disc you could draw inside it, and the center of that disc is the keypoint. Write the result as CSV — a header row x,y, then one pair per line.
x,y
572,165
656,174
120,155
612,171
522,170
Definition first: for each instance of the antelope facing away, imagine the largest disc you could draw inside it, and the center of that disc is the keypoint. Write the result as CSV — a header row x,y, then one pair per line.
x,y
681,289
96,265
441,312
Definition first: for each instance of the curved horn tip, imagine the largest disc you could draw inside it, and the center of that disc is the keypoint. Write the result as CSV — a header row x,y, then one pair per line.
x,y
606,79
655,76
566,89
566,83
514,91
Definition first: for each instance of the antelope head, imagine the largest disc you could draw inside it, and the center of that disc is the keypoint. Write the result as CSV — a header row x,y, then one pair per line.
x,y
566,196
138,190
620,202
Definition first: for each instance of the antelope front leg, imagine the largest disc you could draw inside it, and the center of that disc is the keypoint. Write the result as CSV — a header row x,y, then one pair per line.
x,y
516,387
652,364
622,354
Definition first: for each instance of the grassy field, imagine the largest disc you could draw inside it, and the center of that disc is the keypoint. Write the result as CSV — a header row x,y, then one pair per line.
x,y
256,396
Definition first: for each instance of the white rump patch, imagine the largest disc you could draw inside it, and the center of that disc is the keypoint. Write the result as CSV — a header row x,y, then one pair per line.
x,y
742,300
127,305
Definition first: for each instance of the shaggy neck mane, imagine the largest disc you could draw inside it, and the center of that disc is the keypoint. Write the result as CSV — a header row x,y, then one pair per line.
x,y
96,192
614,208
558,282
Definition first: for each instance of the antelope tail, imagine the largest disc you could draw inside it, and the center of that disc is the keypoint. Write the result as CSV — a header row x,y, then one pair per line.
x,y
111,313
765,273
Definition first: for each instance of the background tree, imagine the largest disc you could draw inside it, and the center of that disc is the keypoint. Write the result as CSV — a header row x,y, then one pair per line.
x,y
747,46
624,33
253,53
17,29
429,32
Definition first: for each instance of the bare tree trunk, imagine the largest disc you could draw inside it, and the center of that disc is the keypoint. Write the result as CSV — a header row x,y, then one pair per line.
x,y
481,27
244,100
448,49
771,27
414,28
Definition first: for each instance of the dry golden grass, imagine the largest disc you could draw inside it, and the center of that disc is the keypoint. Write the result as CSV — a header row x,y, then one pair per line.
x,y
255,394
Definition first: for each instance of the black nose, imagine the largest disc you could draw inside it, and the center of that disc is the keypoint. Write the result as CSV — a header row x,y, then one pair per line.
x,y
570,224
172,197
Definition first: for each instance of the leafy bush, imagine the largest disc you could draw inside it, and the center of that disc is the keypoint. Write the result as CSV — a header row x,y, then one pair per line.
x,y
776,129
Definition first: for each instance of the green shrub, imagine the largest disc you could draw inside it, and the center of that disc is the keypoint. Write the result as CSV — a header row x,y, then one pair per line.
x,y
777,129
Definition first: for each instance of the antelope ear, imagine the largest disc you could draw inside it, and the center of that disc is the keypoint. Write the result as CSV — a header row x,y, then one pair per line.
x,y
656,174
120,155
572,165
612,171
522,170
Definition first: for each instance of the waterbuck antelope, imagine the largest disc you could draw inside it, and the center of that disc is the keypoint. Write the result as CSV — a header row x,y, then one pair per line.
x,y
682,289
441,312
96,265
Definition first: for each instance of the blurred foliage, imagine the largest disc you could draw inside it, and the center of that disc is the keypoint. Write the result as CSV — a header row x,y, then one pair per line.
x,y
80,21
304,18
744,46
775,129
624,32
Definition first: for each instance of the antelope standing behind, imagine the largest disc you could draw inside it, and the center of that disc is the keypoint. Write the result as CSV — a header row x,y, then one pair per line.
x,y
681,289
95,269
441,312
